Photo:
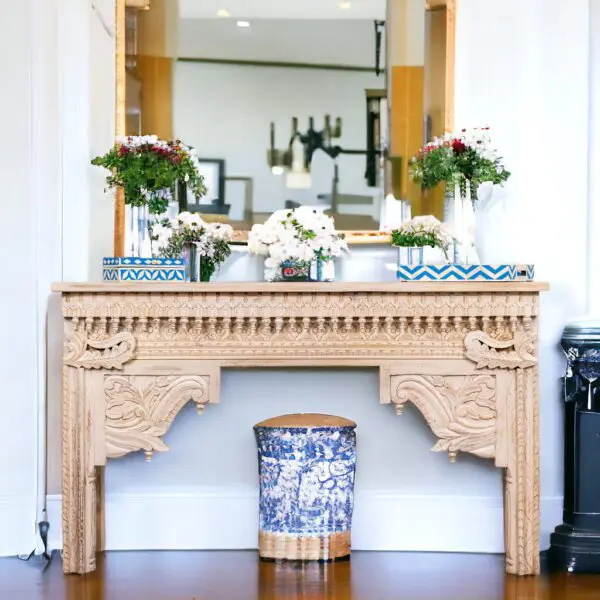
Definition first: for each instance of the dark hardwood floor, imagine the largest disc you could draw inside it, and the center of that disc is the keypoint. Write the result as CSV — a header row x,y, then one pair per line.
x,y
241,576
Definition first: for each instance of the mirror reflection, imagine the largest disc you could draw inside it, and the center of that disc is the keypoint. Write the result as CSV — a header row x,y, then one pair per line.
x,y
288,111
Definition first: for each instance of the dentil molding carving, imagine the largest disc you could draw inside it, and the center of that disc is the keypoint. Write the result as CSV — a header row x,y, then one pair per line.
x,y
139,410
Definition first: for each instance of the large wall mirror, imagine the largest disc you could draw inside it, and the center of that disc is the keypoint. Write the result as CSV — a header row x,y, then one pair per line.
x,y
321,102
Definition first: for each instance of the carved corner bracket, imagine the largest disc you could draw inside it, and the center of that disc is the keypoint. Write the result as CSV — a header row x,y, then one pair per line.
x,y
111,353
459,409
492,353
140,409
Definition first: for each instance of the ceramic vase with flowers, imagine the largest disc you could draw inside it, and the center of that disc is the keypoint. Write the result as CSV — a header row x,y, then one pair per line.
x,y
462,162
148,169
298,245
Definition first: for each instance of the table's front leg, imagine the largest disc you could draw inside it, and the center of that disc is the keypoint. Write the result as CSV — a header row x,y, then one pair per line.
x,y
78,476
522,477
82,398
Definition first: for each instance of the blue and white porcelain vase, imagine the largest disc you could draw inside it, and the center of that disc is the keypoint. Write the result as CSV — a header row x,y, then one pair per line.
x,y
306,467
300,270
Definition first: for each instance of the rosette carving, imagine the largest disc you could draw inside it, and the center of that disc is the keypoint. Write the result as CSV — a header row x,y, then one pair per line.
x,y
460,410
491,353
140,410
111,353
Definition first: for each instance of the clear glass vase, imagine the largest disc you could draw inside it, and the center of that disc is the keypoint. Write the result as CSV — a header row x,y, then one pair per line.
x,y
137,233
322,270
197,267
193,262
459,215
411,255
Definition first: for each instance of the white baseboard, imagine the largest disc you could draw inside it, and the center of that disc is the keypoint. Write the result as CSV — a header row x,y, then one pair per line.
x,y
17,525
228,521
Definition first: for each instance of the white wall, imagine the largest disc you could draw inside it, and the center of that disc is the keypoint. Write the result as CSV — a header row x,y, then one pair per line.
x,y
225,112
88,92
512,74
267,9
306,41
593,272
19,296
48,51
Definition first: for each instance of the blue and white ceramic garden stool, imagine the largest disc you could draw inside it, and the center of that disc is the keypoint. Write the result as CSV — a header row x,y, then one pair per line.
x,y
306,467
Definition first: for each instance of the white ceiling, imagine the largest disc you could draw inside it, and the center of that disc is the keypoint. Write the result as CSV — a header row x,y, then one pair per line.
x,y
283,9
324,41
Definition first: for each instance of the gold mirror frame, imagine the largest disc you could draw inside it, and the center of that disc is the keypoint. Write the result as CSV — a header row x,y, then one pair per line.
x,y
353,237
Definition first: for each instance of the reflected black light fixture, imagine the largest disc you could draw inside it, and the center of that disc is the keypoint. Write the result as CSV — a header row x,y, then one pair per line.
x,y
297,157
379,27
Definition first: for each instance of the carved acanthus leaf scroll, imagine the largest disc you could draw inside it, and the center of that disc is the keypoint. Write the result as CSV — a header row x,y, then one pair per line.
x,y
491,353
459,409
140,410
111,353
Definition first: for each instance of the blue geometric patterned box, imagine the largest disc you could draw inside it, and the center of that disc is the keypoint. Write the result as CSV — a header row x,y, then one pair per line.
x,y
456,272
143,269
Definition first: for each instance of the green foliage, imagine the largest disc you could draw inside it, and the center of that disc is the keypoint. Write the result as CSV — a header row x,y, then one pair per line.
x,y
416,239
148,171
453,162
433,167
214,251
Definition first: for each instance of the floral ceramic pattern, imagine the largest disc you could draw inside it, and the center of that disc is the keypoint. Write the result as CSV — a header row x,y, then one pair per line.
x,y
306,479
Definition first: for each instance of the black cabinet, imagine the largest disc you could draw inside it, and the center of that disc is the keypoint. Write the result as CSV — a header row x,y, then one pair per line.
x,y
575,544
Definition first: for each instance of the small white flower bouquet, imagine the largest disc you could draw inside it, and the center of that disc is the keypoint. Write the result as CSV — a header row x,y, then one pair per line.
x,y
423,240
172,238
298,237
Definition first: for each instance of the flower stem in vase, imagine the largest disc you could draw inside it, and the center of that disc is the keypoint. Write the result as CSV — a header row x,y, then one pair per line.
x,y
470,224
137,236
458,224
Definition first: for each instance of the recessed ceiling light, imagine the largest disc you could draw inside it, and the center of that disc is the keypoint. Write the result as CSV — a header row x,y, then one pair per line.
x,y
243,24
345,4
224,13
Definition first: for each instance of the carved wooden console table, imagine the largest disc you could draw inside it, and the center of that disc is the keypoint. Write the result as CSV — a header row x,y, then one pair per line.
x,y
463,353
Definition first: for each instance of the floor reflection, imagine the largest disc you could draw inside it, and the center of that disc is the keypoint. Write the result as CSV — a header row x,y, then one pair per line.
x,y
242,576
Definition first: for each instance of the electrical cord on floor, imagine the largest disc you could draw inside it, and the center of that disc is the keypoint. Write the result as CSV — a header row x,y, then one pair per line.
x,y
43,528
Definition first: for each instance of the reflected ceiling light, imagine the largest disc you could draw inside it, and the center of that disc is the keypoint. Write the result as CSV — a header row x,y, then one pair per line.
x,y
345,4
223,13
243,24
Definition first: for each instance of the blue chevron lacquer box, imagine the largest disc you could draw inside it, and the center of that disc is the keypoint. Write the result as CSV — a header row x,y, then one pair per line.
x,y
143,269
456,272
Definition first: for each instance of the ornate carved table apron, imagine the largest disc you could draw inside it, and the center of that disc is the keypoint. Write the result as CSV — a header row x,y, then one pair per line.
x,y
463,353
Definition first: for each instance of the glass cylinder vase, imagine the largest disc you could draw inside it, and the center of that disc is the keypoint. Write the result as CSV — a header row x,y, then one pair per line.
x,y
322,270
193,262
411,255
460,217
137,232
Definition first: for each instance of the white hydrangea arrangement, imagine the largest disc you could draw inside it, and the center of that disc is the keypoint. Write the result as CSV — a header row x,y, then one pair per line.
x,y
421,232
303,234
211,239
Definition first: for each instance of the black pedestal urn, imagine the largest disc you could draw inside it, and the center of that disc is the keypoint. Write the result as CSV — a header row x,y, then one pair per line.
x,y
575,545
